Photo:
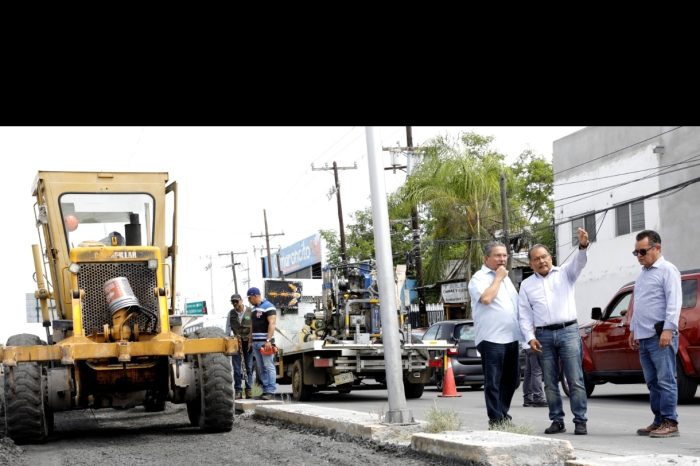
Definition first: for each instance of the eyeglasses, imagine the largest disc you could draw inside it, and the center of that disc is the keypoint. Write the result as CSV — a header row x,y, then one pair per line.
x,y
642,252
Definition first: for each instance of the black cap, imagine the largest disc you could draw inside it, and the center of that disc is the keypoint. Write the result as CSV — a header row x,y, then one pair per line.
x,y
236,296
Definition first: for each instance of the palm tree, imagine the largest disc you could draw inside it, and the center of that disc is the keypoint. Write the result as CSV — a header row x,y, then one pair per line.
x,y
458,184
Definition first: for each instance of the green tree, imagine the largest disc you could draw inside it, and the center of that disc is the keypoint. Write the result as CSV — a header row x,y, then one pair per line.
x,y
534,190
359,239
458,184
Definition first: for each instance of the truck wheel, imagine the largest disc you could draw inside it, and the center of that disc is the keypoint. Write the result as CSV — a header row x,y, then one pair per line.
x,y
300,392
687,386
587,382
28,417
212,409
413,390
344,389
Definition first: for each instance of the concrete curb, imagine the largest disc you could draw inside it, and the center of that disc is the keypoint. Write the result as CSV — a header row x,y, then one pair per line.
x,y
486,447
332,420
245,404
494,447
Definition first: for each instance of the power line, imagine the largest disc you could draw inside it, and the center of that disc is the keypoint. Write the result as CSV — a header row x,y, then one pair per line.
x,y
640,198
623,173
616,151
335,143
335,168
660,171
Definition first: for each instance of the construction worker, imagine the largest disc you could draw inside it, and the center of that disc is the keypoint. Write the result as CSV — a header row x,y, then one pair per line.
x,y
239,324
264,316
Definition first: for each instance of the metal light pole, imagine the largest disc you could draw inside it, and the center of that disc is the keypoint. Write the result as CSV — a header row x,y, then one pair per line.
x,y
398,410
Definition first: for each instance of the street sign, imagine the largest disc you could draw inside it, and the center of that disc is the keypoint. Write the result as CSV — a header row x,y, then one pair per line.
x,y
196,308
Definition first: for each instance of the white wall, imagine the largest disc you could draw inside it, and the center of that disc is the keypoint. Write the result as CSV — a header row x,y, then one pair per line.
x,y
610,262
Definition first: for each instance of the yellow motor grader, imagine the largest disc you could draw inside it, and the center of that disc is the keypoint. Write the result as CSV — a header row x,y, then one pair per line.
x,y
105,278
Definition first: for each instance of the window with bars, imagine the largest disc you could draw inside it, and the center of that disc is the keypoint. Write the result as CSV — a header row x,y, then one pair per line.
x,y
629,217
586,222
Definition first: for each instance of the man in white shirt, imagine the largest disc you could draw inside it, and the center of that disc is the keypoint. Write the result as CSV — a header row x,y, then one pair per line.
x,y
494,308
547,314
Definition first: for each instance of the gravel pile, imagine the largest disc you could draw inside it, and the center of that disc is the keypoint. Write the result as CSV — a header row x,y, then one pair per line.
x,y
9,452
135,437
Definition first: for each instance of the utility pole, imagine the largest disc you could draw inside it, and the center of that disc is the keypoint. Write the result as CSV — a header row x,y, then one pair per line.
x,y
504,211
422,313
211,282
279,266
247,270
415,227
267,242
233,266
343,251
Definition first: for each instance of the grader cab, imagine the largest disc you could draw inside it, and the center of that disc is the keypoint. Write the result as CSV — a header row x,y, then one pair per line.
x,y
106,288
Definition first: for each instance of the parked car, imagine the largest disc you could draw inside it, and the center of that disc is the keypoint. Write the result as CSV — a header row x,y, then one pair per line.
x,y
607,356
465,359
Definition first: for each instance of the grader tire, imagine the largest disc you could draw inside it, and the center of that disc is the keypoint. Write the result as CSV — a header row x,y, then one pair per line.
x,y
212,410
154,402
28,417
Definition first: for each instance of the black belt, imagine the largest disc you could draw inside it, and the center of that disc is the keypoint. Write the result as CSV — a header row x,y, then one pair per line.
x,y
557,326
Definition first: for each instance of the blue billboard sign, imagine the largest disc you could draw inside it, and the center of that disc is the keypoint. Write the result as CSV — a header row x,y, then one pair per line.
x,y
299,255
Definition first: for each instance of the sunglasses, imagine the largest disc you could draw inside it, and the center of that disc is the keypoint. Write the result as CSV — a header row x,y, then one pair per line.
x,y
642,252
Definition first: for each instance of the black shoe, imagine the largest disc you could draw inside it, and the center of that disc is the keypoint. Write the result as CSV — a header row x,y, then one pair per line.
x,y
580,428
557,427
539,404
267,396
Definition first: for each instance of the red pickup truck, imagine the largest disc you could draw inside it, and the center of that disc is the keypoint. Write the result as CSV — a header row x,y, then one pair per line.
x,y
607,356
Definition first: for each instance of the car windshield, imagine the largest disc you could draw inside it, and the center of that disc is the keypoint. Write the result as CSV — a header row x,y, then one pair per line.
x,y
467,332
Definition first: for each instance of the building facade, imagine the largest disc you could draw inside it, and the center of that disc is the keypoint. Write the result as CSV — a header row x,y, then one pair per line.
x,y
616,182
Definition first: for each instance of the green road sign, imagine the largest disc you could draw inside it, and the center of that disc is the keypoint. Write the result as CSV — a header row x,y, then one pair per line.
x,y
196,308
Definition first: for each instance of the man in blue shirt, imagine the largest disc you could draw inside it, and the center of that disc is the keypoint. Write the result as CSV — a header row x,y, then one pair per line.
x,y
264,317
657,302
494,307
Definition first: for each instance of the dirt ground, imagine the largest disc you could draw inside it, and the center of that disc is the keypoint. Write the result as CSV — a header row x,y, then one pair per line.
x,y
134,437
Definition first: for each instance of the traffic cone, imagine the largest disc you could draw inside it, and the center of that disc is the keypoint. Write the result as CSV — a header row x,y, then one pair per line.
x,y
449,388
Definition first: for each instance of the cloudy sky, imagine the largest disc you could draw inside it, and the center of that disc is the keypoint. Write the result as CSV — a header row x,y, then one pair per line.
x,y
226,177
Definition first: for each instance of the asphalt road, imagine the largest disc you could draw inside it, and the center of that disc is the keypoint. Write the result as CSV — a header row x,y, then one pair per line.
x,y
615,412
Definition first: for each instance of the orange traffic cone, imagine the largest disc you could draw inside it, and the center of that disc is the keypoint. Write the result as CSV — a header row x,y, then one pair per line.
x,y
449,388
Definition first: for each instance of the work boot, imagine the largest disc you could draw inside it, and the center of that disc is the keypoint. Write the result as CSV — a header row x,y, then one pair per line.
x,y
267,396
580,428
248,393
667,429
557,427
648,429
239,394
